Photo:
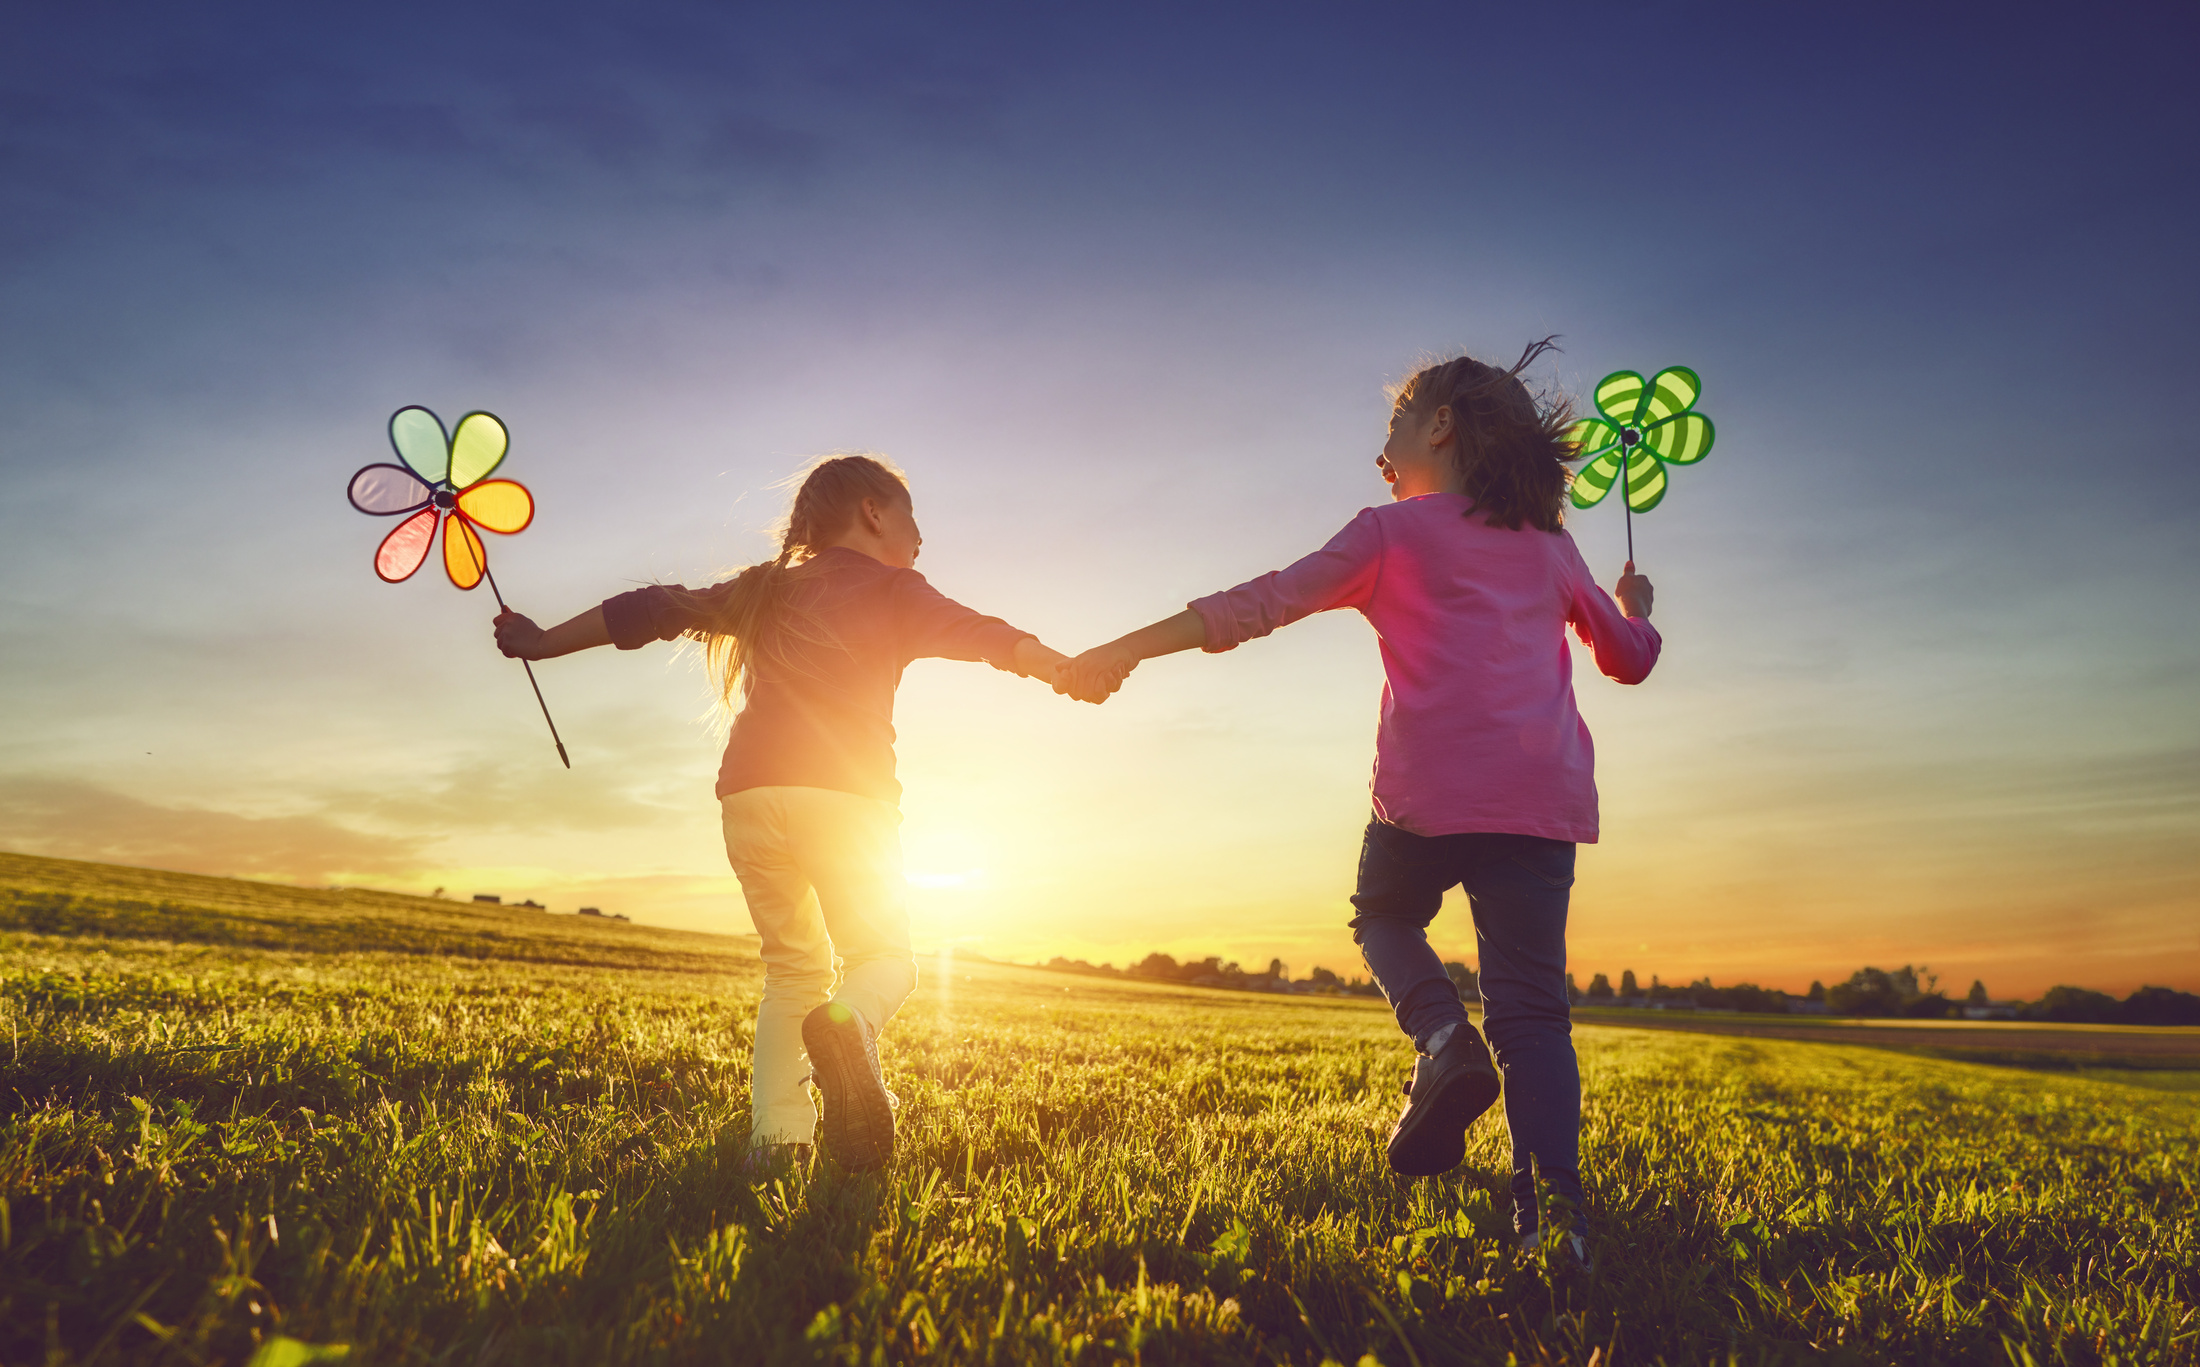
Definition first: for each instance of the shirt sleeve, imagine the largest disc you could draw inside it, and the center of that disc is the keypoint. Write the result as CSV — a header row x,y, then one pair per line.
x,y
1626,648
935,626
1341,574
659,612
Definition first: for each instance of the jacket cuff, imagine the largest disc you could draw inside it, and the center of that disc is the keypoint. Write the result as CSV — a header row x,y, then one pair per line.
x,y
1218,621
631,619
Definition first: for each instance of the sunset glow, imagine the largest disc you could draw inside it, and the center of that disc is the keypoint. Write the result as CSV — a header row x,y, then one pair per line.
x,y
1125,312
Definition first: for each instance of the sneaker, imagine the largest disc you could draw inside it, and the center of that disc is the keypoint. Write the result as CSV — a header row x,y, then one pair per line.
x,y
858,1115
1449,1092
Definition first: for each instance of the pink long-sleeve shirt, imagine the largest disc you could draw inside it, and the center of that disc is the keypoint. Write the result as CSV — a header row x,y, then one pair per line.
x,y
1479,731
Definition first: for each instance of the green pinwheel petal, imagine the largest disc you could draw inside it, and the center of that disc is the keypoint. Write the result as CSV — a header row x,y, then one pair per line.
x,y
1590,437
1645,481
418,437
1619,396
1681,440
1672,393
1595,480
478,445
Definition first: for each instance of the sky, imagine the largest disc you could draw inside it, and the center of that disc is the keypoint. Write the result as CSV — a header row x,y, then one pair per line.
x,y
1120,287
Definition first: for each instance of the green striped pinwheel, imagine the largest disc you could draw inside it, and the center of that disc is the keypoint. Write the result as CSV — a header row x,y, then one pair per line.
x,y
1646,426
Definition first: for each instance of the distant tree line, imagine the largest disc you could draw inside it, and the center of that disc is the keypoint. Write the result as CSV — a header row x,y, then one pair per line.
x,y
1907,992
1214,971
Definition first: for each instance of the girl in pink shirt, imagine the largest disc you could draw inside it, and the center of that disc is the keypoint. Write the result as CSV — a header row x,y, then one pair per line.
x,y
1484,772
813,645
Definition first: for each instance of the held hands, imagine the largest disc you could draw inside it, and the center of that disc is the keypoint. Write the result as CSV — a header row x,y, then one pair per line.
x,y
518,637
1634,593
1095,675
1091,677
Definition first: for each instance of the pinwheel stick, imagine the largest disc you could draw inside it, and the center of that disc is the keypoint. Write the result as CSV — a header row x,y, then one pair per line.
x,y
554,740
1627,515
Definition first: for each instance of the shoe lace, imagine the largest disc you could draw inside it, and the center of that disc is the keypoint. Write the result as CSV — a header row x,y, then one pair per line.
x,y
870,1056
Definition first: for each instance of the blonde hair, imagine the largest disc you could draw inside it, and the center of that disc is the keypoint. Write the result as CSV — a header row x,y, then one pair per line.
x,y
1509,442
761,611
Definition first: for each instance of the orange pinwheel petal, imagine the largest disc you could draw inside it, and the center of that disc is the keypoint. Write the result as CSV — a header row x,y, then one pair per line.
x,y
465,559
501,505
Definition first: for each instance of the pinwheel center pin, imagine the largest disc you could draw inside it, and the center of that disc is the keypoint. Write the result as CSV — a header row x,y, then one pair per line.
x,y
444,479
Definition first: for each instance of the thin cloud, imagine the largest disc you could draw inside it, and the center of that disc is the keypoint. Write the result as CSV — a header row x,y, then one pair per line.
x,y
74,820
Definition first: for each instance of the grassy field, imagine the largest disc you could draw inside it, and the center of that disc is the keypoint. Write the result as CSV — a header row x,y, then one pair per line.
x,y
238,1115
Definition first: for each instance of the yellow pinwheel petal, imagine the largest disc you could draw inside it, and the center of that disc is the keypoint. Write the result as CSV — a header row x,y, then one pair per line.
x,y
465,559
1619,396
500,505
1590,437
478,445
1645,481
1683,440
1673,392
1595,480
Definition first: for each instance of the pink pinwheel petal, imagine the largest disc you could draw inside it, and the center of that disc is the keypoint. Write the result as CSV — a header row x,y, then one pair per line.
x,y
405,549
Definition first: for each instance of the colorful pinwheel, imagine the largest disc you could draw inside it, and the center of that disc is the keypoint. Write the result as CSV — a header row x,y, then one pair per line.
x,y
1647,425
443,478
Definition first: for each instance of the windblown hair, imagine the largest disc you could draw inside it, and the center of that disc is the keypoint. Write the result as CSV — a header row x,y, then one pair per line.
x,y
1509,444
762,610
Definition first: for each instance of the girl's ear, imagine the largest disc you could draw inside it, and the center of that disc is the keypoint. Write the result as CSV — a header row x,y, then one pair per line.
x,y
871,517
1441,427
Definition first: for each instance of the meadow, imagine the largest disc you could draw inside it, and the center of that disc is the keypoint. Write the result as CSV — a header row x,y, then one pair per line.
x,y
245,1121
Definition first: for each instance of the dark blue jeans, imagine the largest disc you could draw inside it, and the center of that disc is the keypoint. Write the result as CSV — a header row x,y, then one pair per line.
x,y
1517,886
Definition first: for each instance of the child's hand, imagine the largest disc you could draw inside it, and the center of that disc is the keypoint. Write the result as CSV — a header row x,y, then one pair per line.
x,y
1097,673
1035,660
1634,593
518,636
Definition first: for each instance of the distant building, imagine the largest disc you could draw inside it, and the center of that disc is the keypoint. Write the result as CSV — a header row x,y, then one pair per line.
x,y
1992,1011
531,902
590,911
489,897
1807,1007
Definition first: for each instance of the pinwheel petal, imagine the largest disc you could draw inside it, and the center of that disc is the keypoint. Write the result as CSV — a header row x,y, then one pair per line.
x,y
418,436
1590,437
501,505
1619,396
1645,481
386,490
405,549
1683,440
1595,480
478,445
1673,392
465,559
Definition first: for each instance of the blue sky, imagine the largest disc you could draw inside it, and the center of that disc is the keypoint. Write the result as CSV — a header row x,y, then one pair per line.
x,y
1120,288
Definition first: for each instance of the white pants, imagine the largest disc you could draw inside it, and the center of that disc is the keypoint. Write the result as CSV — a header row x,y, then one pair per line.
x,y
822,873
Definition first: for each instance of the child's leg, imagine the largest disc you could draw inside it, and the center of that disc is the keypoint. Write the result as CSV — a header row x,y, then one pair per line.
x,y
798,963
1402,882
1519,887
850,847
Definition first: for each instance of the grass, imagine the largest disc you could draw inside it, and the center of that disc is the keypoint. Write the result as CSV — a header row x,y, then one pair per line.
x,y
348,1120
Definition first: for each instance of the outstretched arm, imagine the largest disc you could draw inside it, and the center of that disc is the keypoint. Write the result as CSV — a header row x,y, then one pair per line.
x,y
1037,660
1100,671
521,639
